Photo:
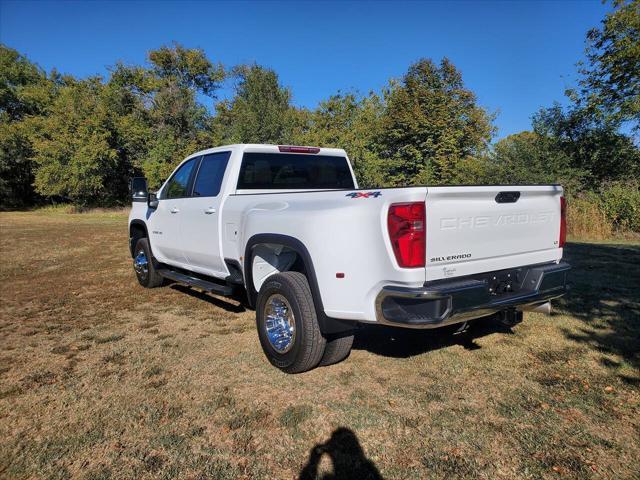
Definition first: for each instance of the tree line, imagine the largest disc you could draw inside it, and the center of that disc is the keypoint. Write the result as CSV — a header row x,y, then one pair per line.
x,y
65,139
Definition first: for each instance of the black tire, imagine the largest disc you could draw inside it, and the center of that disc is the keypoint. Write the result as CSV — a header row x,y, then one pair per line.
x,y
150,277
307,346
337,349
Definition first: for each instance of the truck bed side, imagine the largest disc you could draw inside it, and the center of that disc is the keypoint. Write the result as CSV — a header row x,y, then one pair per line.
x,y
343,233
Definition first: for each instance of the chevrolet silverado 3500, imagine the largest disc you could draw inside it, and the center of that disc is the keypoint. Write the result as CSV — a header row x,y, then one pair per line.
x,y
317,255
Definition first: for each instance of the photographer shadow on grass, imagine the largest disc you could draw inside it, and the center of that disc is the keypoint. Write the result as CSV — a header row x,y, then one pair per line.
x,y
346,455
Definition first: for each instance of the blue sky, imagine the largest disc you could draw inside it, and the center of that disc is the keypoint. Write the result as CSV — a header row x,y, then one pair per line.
x,y
516,56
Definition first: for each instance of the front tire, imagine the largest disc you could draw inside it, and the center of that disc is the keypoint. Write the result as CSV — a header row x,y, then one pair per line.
x,y
287,323
145,266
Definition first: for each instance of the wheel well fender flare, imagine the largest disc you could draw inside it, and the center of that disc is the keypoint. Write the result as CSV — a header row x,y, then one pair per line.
x,y
327,325
137,224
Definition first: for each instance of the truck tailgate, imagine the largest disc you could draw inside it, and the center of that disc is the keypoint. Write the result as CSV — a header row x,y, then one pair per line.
x,y
485,228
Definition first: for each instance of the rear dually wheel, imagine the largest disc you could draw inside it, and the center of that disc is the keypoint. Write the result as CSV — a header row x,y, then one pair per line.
x,y
287,323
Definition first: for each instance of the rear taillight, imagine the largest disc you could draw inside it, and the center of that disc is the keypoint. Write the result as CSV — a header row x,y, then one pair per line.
x,y
563,222
406,224
296,149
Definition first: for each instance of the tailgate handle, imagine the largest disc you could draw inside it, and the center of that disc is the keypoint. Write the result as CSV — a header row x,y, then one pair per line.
x,y
507,197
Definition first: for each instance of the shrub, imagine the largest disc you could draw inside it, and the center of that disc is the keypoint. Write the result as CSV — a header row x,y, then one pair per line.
x,y
586,218
614,208
621,203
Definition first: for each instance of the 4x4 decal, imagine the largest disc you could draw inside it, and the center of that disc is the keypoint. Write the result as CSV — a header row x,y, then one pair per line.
x,y
363,194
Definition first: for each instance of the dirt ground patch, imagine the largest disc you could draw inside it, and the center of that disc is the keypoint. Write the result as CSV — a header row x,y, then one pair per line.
x,y
102,379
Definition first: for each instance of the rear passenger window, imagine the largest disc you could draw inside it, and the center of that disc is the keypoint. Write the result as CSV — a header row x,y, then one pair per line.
x,y
179,183
210,174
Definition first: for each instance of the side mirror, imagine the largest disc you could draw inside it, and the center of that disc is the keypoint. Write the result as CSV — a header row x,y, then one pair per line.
x,y
138,189
152,200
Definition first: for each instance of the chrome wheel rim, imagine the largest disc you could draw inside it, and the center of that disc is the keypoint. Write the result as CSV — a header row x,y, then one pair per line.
x,y
141,265
280,323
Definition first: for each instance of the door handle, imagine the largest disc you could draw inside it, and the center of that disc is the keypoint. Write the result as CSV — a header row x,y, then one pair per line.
x,y
175,210
210,210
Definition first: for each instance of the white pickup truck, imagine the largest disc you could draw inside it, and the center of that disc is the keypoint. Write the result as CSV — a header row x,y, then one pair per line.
x,y
317,256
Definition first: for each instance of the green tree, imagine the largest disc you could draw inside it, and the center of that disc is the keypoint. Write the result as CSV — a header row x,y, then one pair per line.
x,y
75,148
177,66
21,82
131,126
259,112
594,147
432,130
16,166
610,83
25,92
165,96
353,123
528,157
179,126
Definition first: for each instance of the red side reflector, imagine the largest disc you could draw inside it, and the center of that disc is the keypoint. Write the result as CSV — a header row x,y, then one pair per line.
x,y
294,149
406,225
339,275
563,222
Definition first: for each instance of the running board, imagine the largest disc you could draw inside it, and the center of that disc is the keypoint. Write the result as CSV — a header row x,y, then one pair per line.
x,y
212,287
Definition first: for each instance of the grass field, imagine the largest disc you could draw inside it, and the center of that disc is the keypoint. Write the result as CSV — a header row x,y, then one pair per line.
x,y
102,379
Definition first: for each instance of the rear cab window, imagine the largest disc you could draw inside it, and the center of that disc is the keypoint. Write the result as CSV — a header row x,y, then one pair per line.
x,y
292,171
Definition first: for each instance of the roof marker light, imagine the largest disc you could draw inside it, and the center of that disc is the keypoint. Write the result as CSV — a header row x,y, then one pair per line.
x,y
296,149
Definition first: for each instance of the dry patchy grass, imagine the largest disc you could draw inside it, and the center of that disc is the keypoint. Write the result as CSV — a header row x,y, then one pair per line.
x,y
103,379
